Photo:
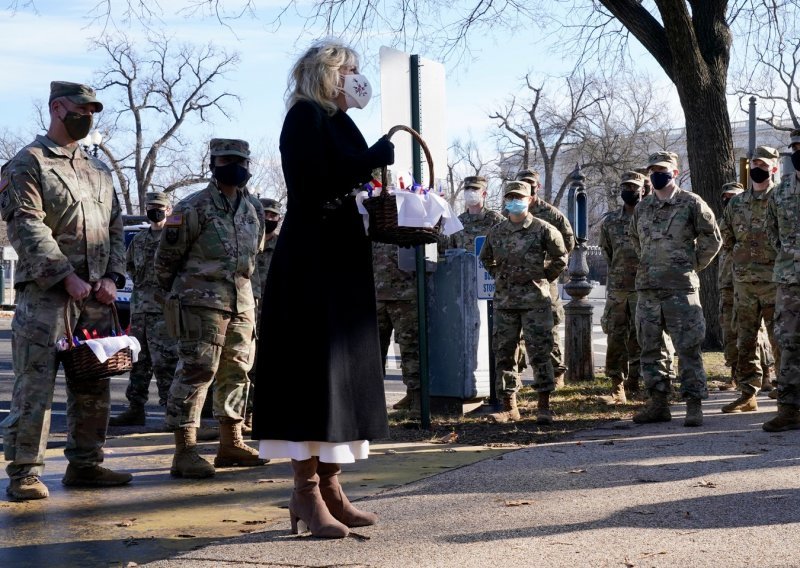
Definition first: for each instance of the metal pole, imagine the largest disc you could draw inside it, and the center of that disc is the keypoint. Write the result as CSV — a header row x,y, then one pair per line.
x,y
490,324
751,147
424,381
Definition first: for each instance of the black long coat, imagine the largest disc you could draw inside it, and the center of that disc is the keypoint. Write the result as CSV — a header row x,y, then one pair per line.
x,y
319,374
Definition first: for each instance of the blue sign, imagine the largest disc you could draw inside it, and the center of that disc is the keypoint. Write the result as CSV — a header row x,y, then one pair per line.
x,y
485,280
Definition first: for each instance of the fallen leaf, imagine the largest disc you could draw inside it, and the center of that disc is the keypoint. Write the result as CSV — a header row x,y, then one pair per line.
x,y
255,522
607,443
647,480
126,523
272,481
185,536
707,484
629,564
517,503
687,515
228,489
229,521
247,531
449,450
448,438
577,471
649,554
390,452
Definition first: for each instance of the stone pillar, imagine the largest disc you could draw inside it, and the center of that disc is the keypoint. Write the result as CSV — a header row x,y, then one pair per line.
x,y
578,355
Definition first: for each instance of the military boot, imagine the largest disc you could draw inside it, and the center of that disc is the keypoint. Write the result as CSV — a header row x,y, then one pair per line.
x,y
510,412
544,416
404,403
766,382
233,452
187,462
94,476
656,410
745,403
632,388
694,412
133,416
788,418
27,488
617,395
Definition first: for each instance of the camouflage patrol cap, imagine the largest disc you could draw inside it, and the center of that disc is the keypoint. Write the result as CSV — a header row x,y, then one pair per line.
x,y
156,198
794,137
528,175
475,182
632,177
270,205
733,187
517,187
766,153
75,92
229,147
663,158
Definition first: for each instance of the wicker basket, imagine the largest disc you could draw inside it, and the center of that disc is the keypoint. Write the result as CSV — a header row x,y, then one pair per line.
x,y
80,362
382,209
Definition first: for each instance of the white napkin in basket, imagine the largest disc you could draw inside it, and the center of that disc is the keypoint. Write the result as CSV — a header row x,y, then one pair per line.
x,y
105,347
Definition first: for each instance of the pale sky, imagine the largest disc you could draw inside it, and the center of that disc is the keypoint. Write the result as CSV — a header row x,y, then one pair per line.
x,y
53,45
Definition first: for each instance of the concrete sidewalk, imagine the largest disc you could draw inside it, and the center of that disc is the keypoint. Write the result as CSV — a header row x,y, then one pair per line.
x,y
725,494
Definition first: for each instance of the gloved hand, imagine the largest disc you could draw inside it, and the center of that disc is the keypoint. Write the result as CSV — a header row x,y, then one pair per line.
x,y
383,150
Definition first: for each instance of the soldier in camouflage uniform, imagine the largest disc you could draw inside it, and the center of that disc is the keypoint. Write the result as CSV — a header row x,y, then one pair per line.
x,y
65,223
396,295
205,259
272,216
159,353
619,316
523,254
783,228
477,219
745,238
541,209
725,287
675,236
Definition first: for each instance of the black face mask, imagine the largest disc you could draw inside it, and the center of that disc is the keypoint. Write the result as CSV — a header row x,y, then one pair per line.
x,y
156,215
77,125
725,201
630,197
660,180
796,160
232,174
270,226
758,175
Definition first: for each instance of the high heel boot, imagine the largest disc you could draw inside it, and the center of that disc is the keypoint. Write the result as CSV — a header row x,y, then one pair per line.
x,y
306,504
338,503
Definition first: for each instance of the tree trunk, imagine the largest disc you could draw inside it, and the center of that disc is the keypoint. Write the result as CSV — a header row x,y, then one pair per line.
x,y
711,162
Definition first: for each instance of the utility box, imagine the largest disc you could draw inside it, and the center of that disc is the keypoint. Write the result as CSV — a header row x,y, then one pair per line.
x,y
458,342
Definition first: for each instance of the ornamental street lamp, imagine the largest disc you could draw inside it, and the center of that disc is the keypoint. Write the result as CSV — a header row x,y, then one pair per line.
x,y
578,325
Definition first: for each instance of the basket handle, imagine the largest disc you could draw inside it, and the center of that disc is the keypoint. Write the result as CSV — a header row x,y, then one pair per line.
x,y
418,138
68,322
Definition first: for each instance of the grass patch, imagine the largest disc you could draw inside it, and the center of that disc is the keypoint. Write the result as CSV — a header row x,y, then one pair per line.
x,y
577,408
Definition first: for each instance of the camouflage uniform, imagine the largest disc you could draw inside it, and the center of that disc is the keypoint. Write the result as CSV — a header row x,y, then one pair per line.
x,y
396,295
674,239
619,315
159,353
745,237
783,228
725,287
474,226
206,258
259,284
546,212
523,258
63,217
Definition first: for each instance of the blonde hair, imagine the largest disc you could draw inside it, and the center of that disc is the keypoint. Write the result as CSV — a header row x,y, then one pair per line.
x,y
315,77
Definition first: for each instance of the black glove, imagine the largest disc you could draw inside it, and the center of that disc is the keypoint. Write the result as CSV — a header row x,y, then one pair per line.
x,y
383,151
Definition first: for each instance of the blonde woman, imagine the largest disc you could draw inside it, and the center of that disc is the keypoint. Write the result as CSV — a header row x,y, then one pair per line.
x,y
322,411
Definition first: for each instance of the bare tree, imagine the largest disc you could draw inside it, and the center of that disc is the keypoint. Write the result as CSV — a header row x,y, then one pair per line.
x,y
550,122
770,71
267,174
159,91
10,143
464,159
